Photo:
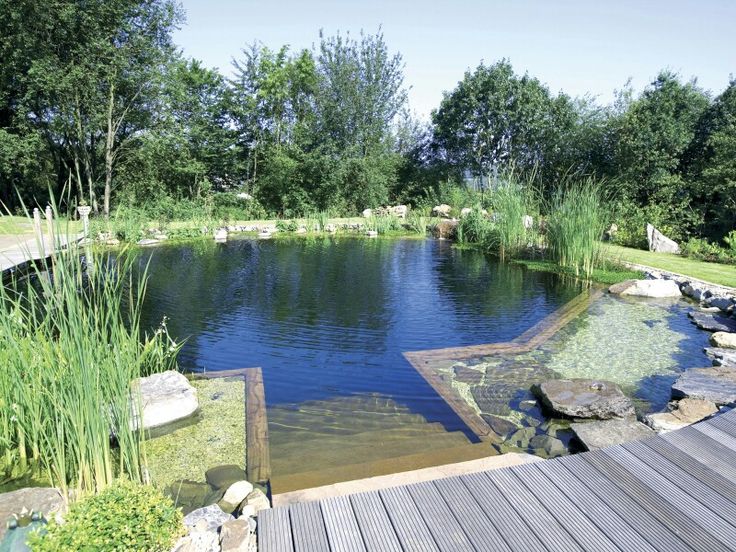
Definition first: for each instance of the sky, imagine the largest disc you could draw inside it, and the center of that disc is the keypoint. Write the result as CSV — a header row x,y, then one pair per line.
x,y
576,46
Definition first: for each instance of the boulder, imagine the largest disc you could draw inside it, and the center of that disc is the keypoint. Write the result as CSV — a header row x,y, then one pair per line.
x,y
147,242
198,541
723,340
527,221
618,289
726,304
238,535
234,495
164,398
371,233
653,288
716,384
442,210
223,476
607,433
255,502
721,357
696,292
548,446
367,213
712,322
662,422
43,500
688,411
465,211
610,234
209,518
659,243
399,211
444,229
221,234
584,398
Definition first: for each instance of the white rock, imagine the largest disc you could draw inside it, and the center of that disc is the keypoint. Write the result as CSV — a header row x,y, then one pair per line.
x,y
234,495
164,398
221,234
367,213
653,288
662,422
371,233
659,243
399,211
238,535
209,518
724,340
465,211
527,221
442,210
246,197
147,242
257,500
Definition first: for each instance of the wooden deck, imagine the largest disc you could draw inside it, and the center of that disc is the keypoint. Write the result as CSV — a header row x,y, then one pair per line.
x,y
674,492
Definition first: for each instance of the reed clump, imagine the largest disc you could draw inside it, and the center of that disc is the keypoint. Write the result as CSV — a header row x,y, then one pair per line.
x,y
70,343
576,221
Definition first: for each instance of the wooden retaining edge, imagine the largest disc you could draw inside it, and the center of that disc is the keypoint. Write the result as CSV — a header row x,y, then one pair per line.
x,y
257,448
530,339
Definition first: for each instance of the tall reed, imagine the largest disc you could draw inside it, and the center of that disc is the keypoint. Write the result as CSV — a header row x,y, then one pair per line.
x,y
511,201
70,344
575,224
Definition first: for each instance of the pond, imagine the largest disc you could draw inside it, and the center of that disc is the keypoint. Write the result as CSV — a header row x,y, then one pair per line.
x,y
328,320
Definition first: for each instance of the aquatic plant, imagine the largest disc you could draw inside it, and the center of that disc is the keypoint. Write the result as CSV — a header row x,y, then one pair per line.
x,y
70,343
575,223
384,224
476,227
511,201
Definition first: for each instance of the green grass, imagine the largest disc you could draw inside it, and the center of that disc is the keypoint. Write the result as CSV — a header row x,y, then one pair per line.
x,y
607,275
720,274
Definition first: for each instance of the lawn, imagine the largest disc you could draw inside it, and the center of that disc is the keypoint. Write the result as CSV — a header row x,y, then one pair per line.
x,y
15,225
715,273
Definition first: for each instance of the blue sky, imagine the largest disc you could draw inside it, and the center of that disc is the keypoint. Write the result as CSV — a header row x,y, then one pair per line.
x,y
579,46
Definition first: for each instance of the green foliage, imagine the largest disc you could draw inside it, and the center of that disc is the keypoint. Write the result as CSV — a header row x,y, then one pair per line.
x,y
607,273
510,202
476,227
72,343
125,516
703,250
575,224
384,224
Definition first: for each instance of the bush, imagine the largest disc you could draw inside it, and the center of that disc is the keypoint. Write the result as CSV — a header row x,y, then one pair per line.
x,y
703,250
125,516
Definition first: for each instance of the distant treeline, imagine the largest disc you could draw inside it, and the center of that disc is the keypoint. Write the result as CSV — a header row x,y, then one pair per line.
x,y
96,99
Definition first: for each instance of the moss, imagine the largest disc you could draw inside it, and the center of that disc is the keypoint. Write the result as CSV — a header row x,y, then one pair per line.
x,y
217,438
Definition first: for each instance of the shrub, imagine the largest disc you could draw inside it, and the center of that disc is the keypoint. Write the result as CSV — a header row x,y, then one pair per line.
x,y
125,516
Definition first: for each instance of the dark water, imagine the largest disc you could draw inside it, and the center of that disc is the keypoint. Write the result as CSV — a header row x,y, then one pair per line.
x,y
330,317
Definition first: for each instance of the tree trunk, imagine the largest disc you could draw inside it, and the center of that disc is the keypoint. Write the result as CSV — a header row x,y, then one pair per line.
x,y
109,153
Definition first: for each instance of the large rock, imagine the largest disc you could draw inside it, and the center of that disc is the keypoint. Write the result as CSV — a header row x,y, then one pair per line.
x,y
716,384
607,433
688,411
209,518
723,340
255,502
618,289
721,357
659,243
164,398
712,322
234,495
653,288
584,398
224,476
198,541
43,500
238,535
663,422
726,304
445,229
399,211
442,210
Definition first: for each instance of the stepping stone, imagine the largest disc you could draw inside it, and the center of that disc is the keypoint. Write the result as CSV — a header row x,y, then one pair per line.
x,y
721,356
584,398
712,322
716,384
607,433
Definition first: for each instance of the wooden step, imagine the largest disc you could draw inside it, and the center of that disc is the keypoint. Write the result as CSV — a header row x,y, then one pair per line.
x,y
383,466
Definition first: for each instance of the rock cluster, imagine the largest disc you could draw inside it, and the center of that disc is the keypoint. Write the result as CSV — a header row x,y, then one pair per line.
x,y
229,525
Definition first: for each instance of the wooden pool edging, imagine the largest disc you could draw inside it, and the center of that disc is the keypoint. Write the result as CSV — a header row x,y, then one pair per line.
x,y
532,338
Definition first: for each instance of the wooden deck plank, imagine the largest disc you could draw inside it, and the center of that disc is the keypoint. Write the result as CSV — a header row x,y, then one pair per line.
x,y
706,450
481,530
724,424
627,536
691,498
564,510
697,480
308,528
375,525
661,535
257,449
515,531
343,532
719,435
447,532
657,505
408,523
537,517
274,531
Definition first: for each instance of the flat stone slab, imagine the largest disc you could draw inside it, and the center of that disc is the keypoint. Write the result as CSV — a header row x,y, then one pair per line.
x,y
712,322
607,433
44,500
165,398
716,384
584,398
721,356
723,340
653,289
471,376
